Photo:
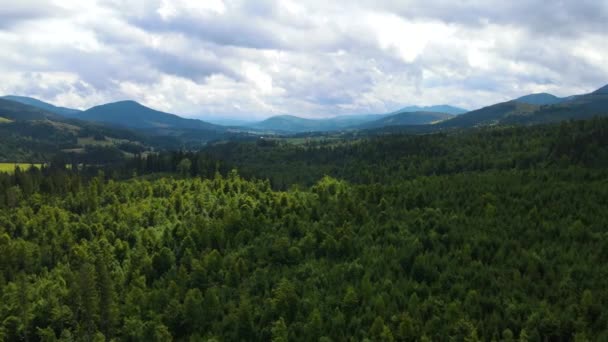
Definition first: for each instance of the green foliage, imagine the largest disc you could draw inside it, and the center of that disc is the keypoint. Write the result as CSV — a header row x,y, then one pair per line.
x,y
10,167
392,158
279,331
466,254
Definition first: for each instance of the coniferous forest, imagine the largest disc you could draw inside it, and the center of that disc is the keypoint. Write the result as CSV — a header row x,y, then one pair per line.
x,y
485,234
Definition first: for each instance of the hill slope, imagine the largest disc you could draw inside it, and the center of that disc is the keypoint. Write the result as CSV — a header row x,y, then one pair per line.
x,y
412,115
68,112
288,123
16,111
535,109
577,108
602,90
134,115
490,115
294,124
30,134
407,118
433,109
541,99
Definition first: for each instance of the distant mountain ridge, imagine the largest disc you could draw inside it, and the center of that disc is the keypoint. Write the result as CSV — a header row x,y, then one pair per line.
x,y
42,105
602,90
131,114
17,111
123,113
134,115
418,116
32,134
535,109
541,99
580,107
447,109
528,109
490,115
294,124
407,118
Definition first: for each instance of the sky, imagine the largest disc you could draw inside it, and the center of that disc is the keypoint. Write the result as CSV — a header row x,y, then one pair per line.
x,y
316,58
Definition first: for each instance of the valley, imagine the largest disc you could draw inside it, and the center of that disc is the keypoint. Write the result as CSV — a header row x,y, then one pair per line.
x,y
36,131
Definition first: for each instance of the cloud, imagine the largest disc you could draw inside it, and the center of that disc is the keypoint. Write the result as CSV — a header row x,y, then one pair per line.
x,y
247,59
16,12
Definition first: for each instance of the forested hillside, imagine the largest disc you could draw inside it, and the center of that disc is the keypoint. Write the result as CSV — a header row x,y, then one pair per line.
x,y
391,158
490,234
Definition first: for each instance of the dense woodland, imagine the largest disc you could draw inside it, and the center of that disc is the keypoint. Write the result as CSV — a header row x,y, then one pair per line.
x,y
493,234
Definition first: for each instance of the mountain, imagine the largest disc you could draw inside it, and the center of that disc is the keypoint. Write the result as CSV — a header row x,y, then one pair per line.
x,y
540,99
221,121
537,111
16,111
412,115
490,115
31,134
126,113
407,118
290,123
178,132
134,115
579,107
433,109
602,90
294,124
68,112
349,121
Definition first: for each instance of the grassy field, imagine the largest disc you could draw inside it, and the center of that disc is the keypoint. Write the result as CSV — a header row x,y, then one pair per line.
x,y
302,140
10,167
90,141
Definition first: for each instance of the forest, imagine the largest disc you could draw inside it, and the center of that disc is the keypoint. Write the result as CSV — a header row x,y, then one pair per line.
x,y
485,234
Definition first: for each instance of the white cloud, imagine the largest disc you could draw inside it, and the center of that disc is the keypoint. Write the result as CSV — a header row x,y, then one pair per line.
x,y
171,9
408,38
259,78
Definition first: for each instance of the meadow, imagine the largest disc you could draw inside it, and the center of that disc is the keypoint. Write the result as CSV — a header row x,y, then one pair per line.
x,y
10,167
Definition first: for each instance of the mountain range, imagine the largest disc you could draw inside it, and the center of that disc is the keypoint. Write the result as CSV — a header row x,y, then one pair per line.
x,y
32,130
446,109
535,109
130,114
294,124
33,134
407,118
31,126
412,115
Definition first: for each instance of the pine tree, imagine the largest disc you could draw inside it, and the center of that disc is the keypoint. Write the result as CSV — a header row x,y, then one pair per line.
x,y
279,331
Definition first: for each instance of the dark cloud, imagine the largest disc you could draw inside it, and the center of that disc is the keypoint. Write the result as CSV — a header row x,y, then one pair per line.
x,y
561,17
188,66
234,32
257,25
